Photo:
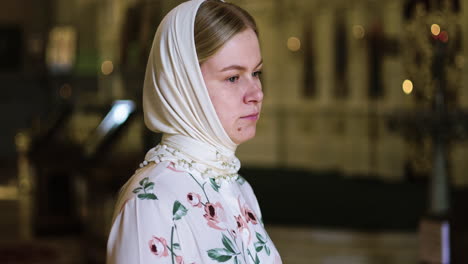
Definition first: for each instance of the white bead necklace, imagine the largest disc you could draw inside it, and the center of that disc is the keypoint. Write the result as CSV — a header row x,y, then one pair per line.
x,y
225,169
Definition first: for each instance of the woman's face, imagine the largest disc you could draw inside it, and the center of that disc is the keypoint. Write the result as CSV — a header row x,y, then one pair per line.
x,y
232,77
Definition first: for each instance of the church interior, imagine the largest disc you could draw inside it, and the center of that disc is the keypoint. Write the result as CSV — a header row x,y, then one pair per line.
x,y
361,154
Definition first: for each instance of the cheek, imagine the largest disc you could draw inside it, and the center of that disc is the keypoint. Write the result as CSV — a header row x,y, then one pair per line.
x,y
227,114
225,109
224,98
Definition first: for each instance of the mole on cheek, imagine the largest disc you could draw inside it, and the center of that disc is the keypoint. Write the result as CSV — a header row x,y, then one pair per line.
x,y
239,129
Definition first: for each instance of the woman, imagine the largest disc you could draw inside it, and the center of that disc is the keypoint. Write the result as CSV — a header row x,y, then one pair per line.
x,y
187,204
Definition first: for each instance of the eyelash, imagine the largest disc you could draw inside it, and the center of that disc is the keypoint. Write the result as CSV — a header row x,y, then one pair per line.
x,y
257,74
233,79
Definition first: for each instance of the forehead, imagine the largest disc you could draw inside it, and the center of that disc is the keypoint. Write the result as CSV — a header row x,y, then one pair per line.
x,y
243,49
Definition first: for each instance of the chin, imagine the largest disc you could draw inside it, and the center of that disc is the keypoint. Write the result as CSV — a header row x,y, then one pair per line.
x,y
239,139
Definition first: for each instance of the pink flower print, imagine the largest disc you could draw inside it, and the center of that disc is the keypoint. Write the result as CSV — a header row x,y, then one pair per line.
x,y
247,213
179,260
215,215
243,228
158,246
171,166
234,233
194,199
240,222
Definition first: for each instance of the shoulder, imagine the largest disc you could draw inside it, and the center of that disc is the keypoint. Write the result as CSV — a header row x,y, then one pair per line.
x,y
144,180
150,185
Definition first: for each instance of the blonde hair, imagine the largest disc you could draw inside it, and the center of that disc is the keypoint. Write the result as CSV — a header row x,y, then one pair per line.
x,y
216,23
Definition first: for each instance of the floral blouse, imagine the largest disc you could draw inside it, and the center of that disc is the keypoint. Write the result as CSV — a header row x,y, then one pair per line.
x,y
165,215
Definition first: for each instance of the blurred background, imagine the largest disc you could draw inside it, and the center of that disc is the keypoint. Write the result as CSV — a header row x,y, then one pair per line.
x,y
360,155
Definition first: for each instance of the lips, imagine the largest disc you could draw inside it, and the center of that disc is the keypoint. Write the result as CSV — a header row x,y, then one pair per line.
x,y
253,116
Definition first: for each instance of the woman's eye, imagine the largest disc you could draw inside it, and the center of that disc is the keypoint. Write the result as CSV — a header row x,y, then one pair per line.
x,y
257,74
233,79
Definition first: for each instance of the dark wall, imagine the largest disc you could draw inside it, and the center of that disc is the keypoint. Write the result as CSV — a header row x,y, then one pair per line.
x,y
23,88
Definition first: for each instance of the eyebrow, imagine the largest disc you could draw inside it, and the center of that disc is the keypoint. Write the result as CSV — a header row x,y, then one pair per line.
x,y
238,67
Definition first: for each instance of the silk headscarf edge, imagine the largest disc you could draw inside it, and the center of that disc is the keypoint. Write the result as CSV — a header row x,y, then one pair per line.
x,y
175,97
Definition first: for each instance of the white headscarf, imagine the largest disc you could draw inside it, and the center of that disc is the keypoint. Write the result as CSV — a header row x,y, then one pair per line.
x,y
176,101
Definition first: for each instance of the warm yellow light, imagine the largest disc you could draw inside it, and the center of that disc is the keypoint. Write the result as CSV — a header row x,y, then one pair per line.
x,y
435,29
294,44
358,31
107,67
407,86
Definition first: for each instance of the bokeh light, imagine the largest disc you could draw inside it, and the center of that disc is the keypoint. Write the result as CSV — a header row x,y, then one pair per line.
x,y
294,44
107,67
435,29
407,86
443,36
358,31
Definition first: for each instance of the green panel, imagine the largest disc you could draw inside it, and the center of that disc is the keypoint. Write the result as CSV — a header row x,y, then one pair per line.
x,y
87,63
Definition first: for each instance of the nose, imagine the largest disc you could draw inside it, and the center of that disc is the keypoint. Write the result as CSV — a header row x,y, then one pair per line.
x,y
254,93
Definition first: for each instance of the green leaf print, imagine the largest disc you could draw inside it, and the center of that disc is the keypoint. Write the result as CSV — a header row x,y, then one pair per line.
x,y
178,210
267,250
240,180
220,254
256,260
201,186
236,261
214,185
147,196
149,186
258,246
228,244
145,186
260,238
176,245
261,244
144,181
